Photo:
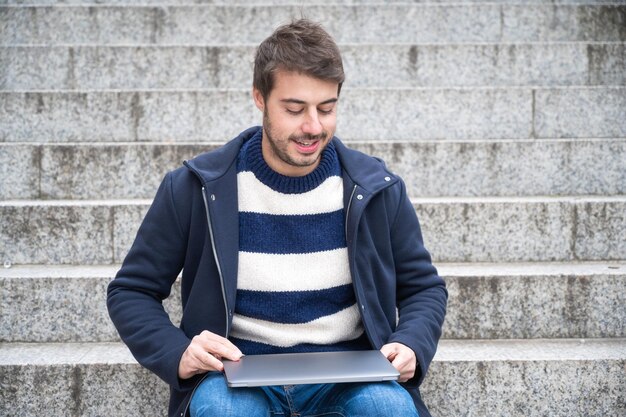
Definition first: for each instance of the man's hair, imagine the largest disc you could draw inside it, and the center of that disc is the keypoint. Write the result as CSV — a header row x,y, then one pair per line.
x,y
302,46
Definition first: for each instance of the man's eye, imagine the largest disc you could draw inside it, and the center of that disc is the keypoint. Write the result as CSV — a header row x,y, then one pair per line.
x,y
326,111
290,111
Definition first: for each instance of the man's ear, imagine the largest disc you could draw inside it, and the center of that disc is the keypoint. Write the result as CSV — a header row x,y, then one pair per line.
x,y
258,99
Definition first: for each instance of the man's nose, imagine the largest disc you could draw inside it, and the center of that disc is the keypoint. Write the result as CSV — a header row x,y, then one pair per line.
x,y
312,125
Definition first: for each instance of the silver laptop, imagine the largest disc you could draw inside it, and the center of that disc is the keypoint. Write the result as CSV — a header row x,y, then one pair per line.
x,y
309,368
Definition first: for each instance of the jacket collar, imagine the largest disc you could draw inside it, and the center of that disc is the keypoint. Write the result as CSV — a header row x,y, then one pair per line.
x,y
369,173
211,166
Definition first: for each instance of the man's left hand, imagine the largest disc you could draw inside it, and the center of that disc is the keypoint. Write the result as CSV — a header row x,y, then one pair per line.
x,y
402,358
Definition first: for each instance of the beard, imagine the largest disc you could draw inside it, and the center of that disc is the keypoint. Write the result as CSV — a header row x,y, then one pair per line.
x,y
279,146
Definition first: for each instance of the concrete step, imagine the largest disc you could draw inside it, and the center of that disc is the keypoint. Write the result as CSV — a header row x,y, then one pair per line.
x,y
57,303
506,229
400,23
409,114
200,67
535,300
282,2
528,378
560,378
478,168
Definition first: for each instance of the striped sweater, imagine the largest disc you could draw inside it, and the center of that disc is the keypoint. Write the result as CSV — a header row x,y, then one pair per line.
x,y
294,289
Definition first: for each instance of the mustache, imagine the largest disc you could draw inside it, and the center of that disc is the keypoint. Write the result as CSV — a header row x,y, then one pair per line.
x,y
301,138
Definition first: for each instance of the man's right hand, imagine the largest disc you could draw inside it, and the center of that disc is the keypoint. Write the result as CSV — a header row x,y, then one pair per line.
x,y
205,354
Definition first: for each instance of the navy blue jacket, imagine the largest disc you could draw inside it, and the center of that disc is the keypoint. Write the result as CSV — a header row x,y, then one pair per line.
x,y
192,225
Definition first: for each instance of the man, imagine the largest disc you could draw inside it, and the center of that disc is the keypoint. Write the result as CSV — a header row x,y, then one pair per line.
x,y
288,241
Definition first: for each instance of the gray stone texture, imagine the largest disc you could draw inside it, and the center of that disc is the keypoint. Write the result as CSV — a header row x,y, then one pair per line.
x,y
535,301
109,171
58,233
19,171
125,67
607,64
200,116
517,388
544,23
600,230
69,389
430,169
517,378
201,67
127,220
400,23
124,116
506,168
278,2
576,300
580,112
531,229
62,304
68,232
366,114
455,230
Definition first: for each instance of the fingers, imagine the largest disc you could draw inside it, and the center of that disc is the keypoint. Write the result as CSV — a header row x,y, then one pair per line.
x,y
218,346
402,358
205,353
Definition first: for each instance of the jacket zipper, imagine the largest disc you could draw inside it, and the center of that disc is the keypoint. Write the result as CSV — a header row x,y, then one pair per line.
x,y
184,413
357,292
217,261
219,271
348,209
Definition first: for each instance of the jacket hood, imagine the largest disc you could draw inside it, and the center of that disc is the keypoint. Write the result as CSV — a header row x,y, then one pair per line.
x,y
369,173
210,166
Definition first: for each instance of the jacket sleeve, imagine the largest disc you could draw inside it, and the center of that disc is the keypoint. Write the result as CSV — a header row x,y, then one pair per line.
x,y
134,297
421,293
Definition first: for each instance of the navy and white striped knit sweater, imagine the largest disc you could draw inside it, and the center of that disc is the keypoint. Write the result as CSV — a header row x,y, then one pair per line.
x,y
294,289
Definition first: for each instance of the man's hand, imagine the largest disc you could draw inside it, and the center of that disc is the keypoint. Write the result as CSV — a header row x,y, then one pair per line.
x,y
402,358
205,354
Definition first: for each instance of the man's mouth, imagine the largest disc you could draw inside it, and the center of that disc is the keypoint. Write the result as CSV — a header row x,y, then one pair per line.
x,y
307,145
305,142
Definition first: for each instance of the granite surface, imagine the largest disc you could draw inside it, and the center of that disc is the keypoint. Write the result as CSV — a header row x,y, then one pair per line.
x,y
580,112
506,168
366,114
455,229
536,306
76,390
55,233
19,171
400,65
284,2
127,220
62,310
67,304
508,230
429,169
125,116
563,378
110,170
401,23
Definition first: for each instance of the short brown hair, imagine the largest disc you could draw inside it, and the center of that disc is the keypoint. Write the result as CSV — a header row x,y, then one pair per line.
x,y
301,46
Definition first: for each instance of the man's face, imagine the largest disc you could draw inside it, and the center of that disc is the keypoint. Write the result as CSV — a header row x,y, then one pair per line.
x,y
299,119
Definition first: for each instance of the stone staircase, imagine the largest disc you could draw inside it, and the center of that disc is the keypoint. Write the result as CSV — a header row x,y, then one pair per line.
x,y
507,120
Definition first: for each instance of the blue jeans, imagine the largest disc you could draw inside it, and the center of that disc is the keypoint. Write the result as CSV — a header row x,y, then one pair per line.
x,y
371,399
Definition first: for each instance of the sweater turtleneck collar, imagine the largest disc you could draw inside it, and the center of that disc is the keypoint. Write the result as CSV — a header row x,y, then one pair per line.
x,y
251,159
